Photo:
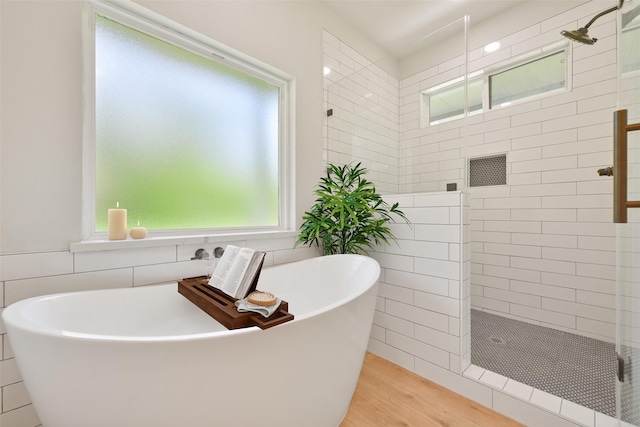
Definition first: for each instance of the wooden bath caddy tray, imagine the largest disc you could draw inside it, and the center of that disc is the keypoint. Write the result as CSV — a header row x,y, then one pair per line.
x,y
222,307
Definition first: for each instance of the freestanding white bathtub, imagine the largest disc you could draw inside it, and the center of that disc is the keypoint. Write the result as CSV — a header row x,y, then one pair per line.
x,y
147,356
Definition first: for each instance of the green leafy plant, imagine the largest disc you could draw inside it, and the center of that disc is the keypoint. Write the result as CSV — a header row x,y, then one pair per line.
x,y
348,217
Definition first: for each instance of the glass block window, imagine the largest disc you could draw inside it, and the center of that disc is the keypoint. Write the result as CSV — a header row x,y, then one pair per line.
x,y
183,140
488,171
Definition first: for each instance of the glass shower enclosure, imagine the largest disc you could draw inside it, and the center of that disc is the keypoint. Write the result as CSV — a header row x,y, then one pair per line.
x,y
626,172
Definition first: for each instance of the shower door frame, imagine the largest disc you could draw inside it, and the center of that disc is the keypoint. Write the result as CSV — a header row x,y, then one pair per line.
x,y
626,195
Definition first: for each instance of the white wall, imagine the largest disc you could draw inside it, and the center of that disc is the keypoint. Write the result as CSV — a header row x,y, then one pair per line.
x,y
42,99
422,317
424,284
544,219
543,246
364,101
41,146
41,125
521,14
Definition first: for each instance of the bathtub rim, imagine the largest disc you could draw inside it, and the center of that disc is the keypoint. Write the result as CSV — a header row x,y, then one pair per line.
x,y
13,316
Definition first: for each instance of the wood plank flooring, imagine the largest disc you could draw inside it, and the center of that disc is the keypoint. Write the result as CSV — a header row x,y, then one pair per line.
x,y
389,395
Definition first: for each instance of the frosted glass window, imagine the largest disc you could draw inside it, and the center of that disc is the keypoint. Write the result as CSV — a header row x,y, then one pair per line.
x,y
500,85
182,141
449,103
529,79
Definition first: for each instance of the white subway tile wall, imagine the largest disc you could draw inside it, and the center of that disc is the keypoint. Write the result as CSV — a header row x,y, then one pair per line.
x,y
363,126
424,285
547,236
543,251
539,249
28,275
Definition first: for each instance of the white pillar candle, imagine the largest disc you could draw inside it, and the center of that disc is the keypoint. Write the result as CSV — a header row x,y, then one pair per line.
x,y
117,223
138,232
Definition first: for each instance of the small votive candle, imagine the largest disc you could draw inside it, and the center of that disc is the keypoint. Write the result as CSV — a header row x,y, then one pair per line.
x,y
117,223
138,232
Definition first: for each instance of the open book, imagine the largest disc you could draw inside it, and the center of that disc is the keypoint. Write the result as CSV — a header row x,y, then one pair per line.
x,y
237,271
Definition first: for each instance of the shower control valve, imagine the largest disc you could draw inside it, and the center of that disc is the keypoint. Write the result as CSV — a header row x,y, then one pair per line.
x,y
606,171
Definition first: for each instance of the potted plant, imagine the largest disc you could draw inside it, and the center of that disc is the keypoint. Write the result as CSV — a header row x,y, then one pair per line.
x,y
349,216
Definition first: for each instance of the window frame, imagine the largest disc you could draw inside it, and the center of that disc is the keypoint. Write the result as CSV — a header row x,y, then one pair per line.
x,y
527,58
158,26
633,26
451,84
492,70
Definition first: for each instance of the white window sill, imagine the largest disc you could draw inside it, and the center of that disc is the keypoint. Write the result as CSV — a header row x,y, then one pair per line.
x,y
148,242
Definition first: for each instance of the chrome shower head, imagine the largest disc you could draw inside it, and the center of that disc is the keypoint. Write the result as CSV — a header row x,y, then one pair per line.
x,y
581,34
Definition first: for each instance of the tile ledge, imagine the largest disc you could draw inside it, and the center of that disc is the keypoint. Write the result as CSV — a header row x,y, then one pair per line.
x,y
473,372
129,243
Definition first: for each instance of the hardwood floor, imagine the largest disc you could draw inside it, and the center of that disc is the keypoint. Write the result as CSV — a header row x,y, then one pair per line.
x,y
389,395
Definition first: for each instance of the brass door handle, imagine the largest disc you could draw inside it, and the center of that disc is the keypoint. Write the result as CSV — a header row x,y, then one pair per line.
x,y
620,130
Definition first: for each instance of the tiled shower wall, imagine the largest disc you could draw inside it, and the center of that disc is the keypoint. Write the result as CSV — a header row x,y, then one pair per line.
x,y
553,213
363,125
422,311
424,296
26,275
543,246
422,315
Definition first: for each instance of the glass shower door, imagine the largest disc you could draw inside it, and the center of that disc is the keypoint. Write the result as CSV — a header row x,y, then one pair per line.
x,y
627,194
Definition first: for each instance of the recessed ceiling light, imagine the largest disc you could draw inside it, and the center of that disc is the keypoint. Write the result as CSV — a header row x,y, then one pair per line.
x,y
492,47
326,70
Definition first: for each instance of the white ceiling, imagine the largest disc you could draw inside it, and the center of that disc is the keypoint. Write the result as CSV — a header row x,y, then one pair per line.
x,y
395,24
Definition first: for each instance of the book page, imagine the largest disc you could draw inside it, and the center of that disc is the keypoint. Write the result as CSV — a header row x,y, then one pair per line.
x,y
236,273
223,268
250,281
231,270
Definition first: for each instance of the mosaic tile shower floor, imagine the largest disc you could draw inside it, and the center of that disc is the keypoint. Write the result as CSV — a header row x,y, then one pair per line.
x,y
569,366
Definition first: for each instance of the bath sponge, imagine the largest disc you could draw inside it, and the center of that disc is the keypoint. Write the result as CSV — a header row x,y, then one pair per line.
x,y
261,298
